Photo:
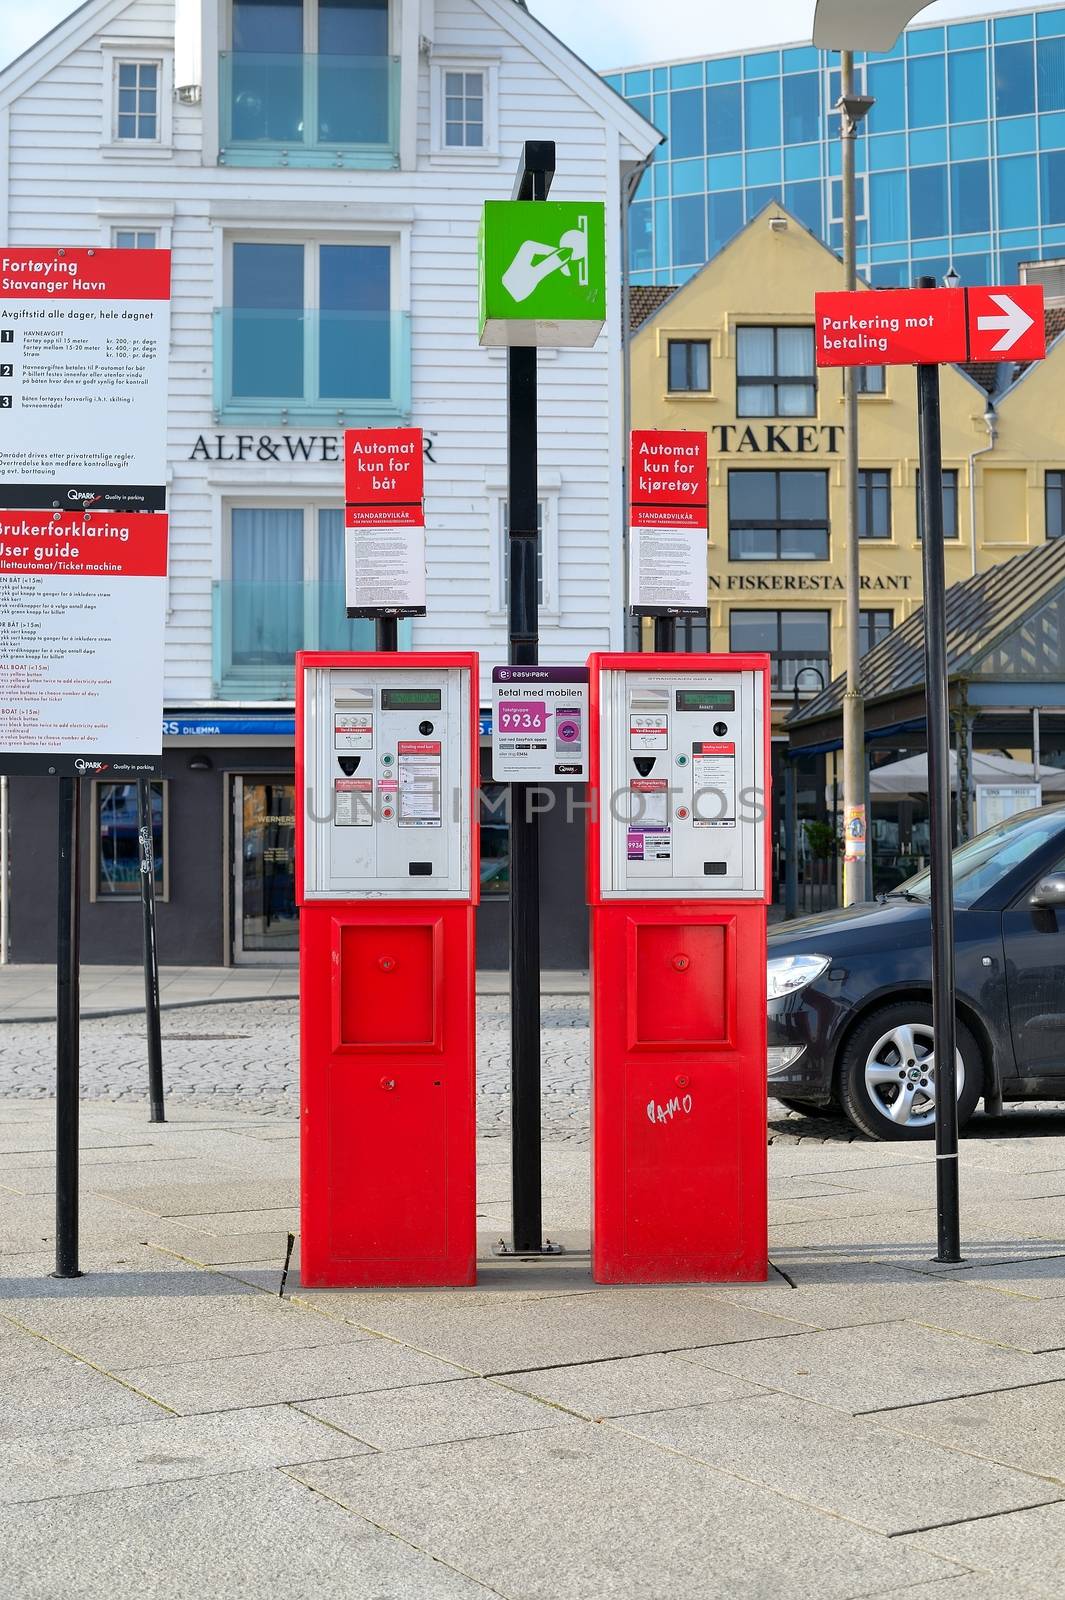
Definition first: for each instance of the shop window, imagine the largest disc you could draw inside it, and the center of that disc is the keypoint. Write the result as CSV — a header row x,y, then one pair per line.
x,y
689,366
116,862
874,626
1055,504
775,372
796,642
950,504
872,380
778,516
874,504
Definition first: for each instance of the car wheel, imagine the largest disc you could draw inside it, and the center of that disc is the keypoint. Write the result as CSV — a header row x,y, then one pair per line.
x,y
806,1108
887,1075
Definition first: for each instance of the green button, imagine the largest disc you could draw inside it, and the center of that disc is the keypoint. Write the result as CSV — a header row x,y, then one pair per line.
x,y
386,760
682,761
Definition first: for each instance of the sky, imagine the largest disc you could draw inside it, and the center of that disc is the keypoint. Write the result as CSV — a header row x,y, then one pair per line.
x,y
607,33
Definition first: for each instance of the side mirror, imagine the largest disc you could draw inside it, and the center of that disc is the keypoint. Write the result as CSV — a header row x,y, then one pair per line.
x,y
1049,894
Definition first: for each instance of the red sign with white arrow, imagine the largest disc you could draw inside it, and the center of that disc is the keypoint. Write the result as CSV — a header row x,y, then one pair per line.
x,y
915,327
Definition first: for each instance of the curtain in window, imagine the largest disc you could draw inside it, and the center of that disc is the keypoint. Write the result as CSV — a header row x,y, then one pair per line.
x,y
795,352
336,631
267,585
756,352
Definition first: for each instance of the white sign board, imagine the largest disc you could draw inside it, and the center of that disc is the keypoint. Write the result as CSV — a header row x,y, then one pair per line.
x,y
82,608
668,562
995,802
384,561
84,345
540,724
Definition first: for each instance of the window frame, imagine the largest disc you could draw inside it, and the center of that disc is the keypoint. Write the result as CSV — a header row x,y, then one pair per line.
x,y
1057,489
779,655
487,64
688,345
862,384
99,896
951,479
869,612
773,380
779,524
137,233
119,52
866,494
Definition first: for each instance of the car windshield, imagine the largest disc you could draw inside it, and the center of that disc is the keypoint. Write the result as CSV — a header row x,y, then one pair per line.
x,y
987,859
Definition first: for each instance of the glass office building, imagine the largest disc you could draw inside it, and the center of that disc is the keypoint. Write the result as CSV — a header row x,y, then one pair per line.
x,y
961,162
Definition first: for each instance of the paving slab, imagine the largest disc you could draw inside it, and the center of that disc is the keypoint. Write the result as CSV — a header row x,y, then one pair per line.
x,y
273,1376
568,1328
603,1514
843,1294
434,1413
204,1199
1037,1279
247,1535
63,1395
878,1365
597,1389
844,1465
1022,1428
1019,1548
86,1460
220,1249
21,1352
973,1586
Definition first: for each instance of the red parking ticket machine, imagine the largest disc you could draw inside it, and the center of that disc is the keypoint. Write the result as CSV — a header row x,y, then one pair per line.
x,y
678,883
387,883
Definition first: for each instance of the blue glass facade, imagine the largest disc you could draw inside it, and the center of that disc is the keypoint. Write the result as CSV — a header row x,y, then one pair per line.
x,y
961,162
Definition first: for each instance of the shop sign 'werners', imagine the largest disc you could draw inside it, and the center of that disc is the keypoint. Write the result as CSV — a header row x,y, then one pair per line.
x,y
84,342
542,273
919,327
384,522
668,523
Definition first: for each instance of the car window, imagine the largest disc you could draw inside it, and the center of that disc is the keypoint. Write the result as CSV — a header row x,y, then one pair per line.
x,y
986,860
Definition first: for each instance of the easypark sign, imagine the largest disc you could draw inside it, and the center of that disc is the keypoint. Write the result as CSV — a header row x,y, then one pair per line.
x,y
927,327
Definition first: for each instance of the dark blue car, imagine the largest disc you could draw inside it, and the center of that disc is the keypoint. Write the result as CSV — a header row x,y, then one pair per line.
x,y
850,1013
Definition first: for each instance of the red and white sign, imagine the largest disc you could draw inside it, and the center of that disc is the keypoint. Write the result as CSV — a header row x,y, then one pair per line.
x,y
84,349
82,607
384,522
384,466
929,327
668,522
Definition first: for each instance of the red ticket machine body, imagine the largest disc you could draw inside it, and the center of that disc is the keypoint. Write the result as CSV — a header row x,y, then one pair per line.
x,y
387,883
678,882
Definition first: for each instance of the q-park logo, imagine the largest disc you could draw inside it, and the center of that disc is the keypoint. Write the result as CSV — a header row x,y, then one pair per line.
x,y
87,495
81,765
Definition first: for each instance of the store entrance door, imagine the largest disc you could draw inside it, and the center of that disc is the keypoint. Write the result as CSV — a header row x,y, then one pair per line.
x,y
265,919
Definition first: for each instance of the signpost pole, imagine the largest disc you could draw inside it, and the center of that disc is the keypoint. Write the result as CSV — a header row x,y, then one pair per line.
x,y
665,634
68,972
534,184
942,875
151,952
387,633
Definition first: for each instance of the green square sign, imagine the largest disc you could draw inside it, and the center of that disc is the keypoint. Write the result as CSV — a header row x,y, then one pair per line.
x,y
543,273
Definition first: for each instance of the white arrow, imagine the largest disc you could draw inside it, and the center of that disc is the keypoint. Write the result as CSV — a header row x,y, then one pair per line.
x,y
1016,322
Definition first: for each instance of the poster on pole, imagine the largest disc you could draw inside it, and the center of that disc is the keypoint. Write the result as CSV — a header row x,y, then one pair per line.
x,y
84,346
384,522
84,350
540,724
668,523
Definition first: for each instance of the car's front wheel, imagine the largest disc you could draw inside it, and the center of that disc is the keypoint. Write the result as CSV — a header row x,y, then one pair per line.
x,y
887,1074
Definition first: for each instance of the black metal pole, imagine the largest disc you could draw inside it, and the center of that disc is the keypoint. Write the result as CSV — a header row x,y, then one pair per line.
x,y
151,953
665,635
388,633
68,958
791,839
533,184
942,875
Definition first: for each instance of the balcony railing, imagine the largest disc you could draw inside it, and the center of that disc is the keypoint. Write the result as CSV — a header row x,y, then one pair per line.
x,y
309,111
258,625
331,367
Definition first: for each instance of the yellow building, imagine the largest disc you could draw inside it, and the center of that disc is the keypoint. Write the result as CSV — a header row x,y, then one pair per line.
x,y
732,353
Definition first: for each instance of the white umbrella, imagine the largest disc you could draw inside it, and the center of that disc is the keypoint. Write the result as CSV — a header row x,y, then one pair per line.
x,y
910,776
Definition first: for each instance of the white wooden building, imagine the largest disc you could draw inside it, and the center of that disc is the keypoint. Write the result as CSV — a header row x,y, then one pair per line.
x,y
317,168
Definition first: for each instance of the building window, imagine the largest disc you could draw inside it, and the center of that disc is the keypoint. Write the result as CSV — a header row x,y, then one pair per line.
x,y
872,380
874,504
464,110
310,325
836,199
137,101
776,376
116,867
283,591
1055,497
950,504
692,635
689,366
495,834
135,239
778,516
874,626
796,641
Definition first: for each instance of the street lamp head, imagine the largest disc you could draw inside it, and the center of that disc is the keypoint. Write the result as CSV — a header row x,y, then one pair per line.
x,y
863,24
855,107
952,278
